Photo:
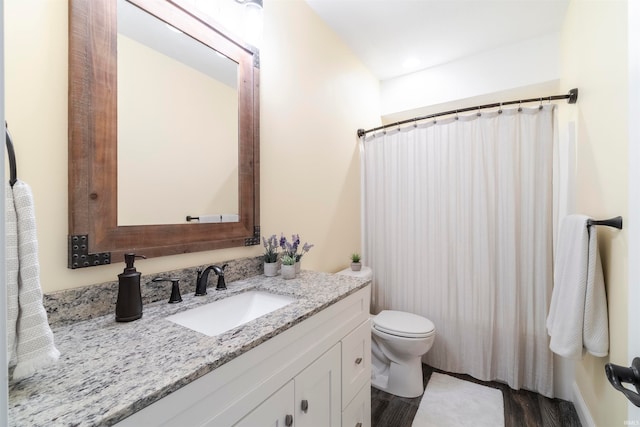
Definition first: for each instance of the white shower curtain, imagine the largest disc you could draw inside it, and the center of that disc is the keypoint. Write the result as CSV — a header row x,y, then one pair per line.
x,y
458,228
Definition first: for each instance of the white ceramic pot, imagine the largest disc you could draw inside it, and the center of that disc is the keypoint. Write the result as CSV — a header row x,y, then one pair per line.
x,y
288,271
356,266
270,269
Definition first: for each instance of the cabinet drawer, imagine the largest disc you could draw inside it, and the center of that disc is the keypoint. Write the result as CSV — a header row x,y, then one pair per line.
x,y
358,412
356,361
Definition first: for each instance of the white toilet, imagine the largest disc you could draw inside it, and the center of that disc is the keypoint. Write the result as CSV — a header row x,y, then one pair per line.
x,y
398,342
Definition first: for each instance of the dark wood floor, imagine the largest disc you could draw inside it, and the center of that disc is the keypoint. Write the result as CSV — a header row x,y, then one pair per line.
x,y
522,408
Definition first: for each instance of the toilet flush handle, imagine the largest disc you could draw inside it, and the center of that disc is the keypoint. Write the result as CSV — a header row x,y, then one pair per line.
x,y
358,360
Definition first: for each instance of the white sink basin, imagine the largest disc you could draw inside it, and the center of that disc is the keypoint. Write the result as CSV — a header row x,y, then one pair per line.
x,y
220,316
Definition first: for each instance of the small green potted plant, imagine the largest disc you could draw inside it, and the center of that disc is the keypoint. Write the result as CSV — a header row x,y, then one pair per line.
x,y
288,268
356,265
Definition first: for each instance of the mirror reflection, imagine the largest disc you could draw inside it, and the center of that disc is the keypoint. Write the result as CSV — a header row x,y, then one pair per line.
x,y
177,124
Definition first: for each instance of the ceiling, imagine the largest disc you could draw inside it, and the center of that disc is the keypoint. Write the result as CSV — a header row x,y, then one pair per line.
x,y
384,34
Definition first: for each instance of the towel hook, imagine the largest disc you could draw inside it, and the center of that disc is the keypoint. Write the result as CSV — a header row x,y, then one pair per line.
x,y
13,170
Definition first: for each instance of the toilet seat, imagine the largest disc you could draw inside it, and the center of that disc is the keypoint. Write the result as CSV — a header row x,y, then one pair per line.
x,y
403,324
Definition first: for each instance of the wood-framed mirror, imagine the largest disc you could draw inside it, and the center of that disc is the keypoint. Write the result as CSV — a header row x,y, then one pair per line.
x,y
96,234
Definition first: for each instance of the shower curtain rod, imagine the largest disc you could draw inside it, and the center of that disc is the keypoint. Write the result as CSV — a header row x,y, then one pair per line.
x,y
572,97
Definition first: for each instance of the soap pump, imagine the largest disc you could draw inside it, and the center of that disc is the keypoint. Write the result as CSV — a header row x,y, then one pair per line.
x,y
129,303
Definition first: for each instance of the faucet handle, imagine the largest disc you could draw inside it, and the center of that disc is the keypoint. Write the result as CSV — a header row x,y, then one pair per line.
x,y
201,281
175,288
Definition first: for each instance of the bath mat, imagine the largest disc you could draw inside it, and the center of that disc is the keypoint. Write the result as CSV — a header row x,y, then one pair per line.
x,y
449,401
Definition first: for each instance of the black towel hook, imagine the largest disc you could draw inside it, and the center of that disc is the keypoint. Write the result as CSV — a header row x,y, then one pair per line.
x,y
619,374
12,157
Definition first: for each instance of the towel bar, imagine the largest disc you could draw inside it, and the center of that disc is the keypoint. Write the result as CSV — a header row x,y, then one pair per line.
x,y
611,222
618,374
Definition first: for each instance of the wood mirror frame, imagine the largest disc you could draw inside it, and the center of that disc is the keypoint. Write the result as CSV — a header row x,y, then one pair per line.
x,y
94,235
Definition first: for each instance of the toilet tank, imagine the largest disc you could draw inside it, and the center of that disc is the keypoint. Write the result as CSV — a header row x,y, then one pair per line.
x,y
364,273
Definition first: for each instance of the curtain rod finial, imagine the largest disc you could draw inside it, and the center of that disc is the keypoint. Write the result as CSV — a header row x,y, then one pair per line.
x,y
361,133
573,96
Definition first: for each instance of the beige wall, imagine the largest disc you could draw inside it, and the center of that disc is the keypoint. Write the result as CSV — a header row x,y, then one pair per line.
x,y
594,59
314,95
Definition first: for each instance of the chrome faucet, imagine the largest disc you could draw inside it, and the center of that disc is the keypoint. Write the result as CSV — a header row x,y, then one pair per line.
x,y
203,277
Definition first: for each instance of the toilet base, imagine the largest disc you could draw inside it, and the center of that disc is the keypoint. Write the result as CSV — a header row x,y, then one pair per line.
x,y
400,380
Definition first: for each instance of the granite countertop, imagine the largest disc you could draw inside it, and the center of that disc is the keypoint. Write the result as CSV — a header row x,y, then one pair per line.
x,y
109,370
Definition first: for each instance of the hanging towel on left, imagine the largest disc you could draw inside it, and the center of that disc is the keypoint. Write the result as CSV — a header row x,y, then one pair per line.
x,y
30,343
578,318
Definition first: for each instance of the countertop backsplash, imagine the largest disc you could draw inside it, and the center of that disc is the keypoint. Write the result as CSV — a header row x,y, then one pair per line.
x,y
88,302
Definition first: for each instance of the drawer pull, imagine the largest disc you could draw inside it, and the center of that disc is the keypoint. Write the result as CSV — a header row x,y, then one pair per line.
x,y
304,405
359,425
358,360
288,420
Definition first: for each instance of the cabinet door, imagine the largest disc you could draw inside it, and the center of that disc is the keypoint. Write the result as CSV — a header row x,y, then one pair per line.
x,y
358,413
356,361
317,392
276,411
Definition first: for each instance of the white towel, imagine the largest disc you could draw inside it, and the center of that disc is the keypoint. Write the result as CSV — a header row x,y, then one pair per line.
x,y
11,230
578,318
30,340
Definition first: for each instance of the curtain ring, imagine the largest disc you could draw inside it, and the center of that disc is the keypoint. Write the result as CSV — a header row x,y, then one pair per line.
x,y
500,109
415,123
478,113
456,114
540,106
520,106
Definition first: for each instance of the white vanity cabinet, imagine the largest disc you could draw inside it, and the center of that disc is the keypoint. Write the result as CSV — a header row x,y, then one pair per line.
x,y
317,372
312,398
317,392
356,377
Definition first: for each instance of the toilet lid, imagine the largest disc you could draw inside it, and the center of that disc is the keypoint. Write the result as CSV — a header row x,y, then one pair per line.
x,y
403,324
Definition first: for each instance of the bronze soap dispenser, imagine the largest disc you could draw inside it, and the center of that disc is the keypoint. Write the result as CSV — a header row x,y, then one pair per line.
x,y
129,303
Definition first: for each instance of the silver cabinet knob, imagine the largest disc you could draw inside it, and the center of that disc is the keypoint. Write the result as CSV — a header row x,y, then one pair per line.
x,y
288,420
304,405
